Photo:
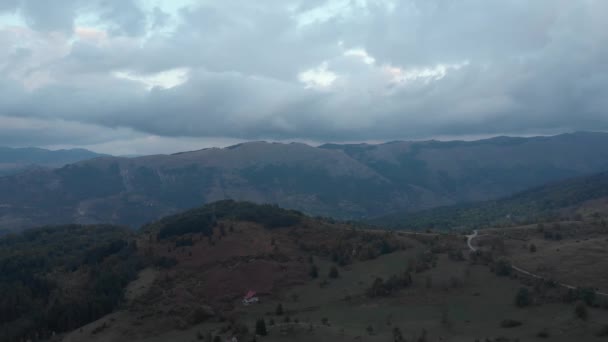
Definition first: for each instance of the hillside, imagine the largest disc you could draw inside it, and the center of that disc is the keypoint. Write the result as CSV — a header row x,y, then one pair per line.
x,y
183,278
15,160
56,279
572,198
343,181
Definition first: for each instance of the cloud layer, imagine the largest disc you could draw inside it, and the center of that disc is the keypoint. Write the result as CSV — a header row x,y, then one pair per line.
x,y
111,72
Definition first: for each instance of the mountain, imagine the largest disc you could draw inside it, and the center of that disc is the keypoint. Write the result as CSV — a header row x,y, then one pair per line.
x,y
15,160
344,181
568,199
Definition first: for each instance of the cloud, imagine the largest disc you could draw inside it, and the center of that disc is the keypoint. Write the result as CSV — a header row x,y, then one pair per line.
x,y
311,70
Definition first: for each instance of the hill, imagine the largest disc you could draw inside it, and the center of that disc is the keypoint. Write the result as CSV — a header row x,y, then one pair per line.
x,y
56,279
343,181
569,199
183,278
15,160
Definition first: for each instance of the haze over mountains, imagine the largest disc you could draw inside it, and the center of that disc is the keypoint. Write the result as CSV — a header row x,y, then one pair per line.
x,y
345,181
15,160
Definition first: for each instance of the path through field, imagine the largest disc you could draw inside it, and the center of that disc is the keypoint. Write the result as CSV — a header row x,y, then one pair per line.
x,y
475,234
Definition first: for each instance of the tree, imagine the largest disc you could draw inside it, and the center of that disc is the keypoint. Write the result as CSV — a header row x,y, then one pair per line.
x,y
429,281
540,227
279,310
314,271
523,297
260,327
586,294
333,272
397,335
503,267
580,311
377,289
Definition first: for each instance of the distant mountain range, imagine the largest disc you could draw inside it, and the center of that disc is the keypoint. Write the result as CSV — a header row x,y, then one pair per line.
x,y
15,160
355,181
566,199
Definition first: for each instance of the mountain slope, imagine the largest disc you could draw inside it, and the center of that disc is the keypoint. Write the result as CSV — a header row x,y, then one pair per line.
x,y
559,199
344,181
57,279
15,160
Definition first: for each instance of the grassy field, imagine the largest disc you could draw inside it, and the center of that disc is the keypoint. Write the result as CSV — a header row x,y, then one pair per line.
x,y
452,301
574,253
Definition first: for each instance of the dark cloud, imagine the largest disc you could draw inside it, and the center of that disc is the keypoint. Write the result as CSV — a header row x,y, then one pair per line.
x,y
323,70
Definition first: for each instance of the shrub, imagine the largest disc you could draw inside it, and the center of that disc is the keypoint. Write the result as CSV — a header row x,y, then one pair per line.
x,y
543,333
510,323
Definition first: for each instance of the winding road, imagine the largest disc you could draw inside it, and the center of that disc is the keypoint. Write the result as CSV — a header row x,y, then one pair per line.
x,y
475,234
470,240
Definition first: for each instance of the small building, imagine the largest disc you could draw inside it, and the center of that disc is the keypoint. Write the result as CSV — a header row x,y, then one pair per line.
x,y
250,298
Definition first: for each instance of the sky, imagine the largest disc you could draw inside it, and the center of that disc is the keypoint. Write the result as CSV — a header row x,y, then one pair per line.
x,y
160,76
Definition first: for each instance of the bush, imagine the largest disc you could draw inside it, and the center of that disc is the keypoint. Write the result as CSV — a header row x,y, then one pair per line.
x,y
543,333
510,323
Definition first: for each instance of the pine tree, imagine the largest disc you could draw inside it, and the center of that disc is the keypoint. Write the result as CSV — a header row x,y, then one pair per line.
x,y
260,327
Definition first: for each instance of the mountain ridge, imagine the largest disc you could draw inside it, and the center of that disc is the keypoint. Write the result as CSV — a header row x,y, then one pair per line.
x,y
15,160
565,199
351,181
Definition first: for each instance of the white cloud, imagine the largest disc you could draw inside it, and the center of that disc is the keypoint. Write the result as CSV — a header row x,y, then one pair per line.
x,y
319,77
424,74
362,54
164,79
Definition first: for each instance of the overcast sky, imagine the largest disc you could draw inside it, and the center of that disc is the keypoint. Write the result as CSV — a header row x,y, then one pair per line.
x,y
129,76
